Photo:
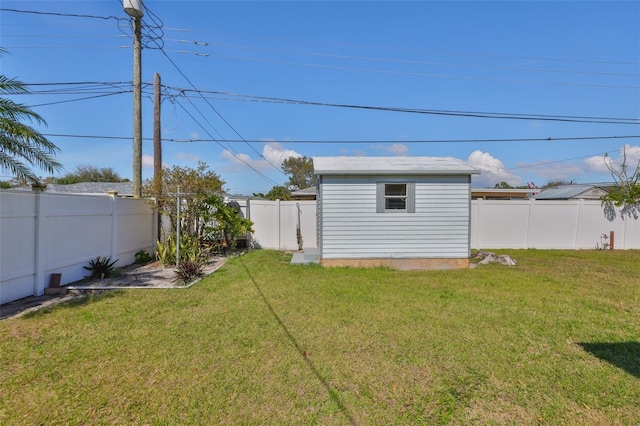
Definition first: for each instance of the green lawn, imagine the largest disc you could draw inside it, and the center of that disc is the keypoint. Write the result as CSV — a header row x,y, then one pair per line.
x,y
554,340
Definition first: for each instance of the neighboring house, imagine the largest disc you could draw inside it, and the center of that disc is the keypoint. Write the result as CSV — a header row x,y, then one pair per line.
x,y
573,192
399,212
485,194
504,194
304,194
124,189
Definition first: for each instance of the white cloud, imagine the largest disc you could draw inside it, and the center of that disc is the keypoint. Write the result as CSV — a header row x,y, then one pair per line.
x,y
394,149
558,171
240,161
597,162
493,170
397,149
273,154
147,161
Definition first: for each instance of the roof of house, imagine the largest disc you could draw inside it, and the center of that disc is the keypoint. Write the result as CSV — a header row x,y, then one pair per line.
x,y
306,192
504,193
567,192
122,188
392,166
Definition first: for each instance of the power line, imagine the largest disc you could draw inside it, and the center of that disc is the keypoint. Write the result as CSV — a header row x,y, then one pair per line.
x,y
544,163
217,112
80,99
422,74
266,178
359,141
290,41
418,62
70,15
183,92
457,113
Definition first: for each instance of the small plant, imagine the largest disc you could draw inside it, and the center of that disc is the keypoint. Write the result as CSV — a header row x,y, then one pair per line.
x,y
166,251
102,267
189,249
189,270
142,256
604,239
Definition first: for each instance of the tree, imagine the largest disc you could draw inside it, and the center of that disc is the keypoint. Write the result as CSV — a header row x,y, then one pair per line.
x,y
278,193
300,172
86,173
20,143
558,182
224,220
503,185
625,193
195,187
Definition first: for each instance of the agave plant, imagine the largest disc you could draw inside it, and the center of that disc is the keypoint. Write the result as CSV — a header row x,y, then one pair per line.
x,y
101,267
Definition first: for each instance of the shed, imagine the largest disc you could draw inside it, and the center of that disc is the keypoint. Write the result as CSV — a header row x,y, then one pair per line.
x,y
398,212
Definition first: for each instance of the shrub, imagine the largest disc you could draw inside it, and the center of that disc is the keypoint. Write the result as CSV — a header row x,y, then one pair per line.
x,y
101,267
142,256
189,270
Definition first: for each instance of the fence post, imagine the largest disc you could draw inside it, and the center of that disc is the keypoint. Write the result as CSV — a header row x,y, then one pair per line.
x,y
575,239
278,228
532,203
248,215
475,220
40,240
113,249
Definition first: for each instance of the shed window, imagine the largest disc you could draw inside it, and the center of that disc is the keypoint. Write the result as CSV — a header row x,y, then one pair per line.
x,y
396,197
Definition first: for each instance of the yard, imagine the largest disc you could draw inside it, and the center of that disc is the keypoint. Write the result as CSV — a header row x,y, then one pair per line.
x,y
554,340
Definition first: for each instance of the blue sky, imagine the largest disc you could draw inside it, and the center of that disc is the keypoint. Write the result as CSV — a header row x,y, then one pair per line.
x,y
231,70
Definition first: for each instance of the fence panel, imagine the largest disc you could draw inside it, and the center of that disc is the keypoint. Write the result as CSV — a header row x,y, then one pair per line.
x,y
275,223
43,233
17,245
570,224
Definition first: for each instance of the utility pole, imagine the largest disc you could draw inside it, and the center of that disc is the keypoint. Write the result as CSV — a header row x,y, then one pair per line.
x,y
157,134
157,145
135,9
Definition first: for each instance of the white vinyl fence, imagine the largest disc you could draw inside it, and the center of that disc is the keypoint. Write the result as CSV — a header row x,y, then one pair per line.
x,y
275,223
572,224
45,233
42,234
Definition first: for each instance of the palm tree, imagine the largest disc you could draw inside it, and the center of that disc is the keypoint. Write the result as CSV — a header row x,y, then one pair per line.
x,y
20,143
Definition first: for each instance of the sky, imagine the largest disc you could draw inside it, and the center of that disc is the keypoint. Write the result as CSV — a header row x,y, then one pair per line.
x,y
524,91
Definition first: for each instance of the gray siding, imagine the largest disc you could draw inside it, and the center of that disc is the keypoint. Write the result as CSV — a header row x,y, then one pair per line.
x,y
351,228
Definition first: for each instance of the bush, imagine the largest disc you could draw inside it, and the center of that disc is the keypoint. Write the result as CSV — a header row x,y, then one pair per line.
x,y
101,267
142,256
189,270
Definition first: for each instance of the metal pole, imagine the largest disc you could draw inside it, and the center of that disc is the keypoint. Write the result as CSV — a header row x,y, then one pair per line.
x,y
178,230
137,108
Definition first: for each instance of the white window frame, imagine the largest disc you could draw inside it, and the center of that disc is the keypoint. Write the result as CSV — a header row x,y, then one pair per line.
x,y
410,197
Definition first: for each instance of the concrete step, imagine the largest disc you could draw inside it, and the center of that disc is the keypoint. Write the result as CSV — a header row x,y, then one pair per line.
x,y
311,255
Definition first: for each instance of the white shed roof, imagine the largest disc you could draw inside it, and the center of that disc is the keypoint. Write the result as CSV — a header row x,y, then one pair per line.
x,y
392,166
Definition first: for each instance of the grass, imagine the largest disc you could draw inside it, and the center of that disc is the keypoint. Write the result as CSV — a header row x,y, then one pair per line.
x,y
554,340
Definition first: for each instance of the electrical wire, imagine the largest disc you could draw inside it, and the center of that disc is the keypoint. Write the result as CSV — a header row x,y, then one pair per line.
x,y
457,113
422,74
416,62
367,141
218,114
80,99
